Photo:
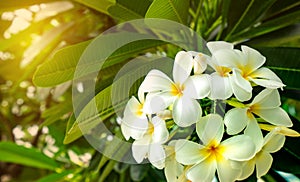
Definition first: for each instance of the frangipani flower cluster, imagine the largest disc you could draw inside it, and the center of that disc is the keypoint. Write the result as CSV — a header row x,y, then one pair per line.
x,y
228,145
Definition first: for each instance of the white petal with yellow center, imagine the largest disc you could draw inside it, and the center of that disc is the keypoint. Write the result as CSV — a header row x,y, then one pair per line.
x,y
189,153
276,116
210,129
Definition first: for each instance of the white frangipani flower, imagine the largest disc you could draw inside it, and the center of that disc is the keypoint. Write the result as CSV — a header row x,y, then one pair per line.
x,y
150,145
245,66
265,105
182,92
135,122
263,159
213,155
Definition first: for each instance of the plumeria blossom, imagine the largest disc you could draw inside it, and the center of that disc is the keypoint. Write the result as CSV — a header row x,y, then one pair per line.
x,y
245,148
220,82
266,106
213,155
135,122
245,67
273,142
182,92
150,145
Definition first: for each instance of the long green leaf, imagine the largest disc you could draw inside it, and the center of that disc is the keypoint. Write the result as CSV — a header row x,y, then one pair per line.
x,y
286,37
268,26
252,14
286,64
176,10
113,98
11,152
129,9
61,67
57,177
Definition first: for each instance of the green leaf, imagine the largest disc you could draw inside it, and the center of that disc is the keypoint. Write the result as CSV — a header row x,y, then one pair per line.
x,y
176,10
102,106
232,10
286,37
285,62
61,67
98,5
251,15
129,9
281,6
57,177
267,27
11,152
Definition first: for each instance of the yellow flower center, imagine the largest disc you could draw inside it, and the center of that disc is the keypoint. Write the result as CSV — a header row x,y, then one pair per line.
x,y
139,110
214,151
177,89
223,71
150,130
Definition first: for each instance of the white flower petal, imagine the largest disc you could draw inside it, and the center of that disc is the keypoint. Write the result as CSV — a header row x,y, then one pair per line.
x,y
172,169
157,102
268,83
160,133
241,81
239,148
133,108
188,152
156,81
186,111
273,142
140,149
200,63
267,99
229,58
241,94
202,172
253,130
197,86
225,172
263,163
248,169
265,73
182,68
157,156
210,128
134,127
254,58
214,46
276,116
236,120
220,87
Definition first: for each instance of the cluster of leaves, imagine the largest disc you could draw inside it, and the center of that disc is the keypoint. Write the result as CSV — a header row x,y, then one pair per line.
x,y
271,26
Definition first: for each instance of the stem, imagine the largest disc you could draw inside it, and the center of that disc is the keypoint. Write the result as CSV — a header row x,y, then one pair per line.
x,y
214,106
